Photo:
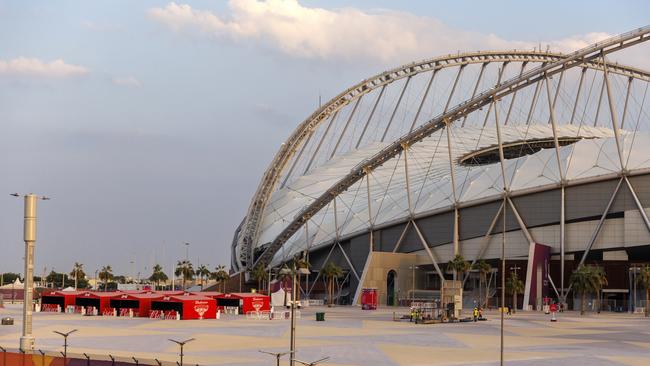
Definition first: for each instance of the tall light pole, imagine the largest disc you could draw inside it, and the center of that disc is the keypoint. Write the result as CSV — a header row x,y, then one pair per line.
x,y
29,233
182,344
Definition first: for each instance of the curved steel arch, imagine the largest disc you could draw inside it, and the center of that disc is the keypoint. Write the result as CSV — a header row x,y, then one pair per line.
x,y
555,64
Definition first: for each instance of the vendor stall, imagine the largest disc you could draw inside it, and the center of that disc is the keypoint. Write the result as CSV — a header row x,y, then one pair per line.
x,y
97,300
136,304
63,299
245,301
188,306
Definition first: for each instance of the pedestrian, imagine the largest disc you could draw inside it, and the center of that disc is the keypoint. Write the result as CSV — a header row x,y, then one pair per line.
x,y
475,313
480,313
509,310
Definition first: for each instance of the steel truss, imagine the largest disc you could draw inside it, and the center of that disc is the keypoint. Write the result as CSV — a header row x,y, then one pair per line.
x,y
552,64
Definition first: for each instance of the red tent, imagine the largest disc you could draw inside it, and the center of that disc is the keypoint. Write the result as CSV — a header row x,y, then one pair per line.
x,y
61,298
139,303
169,292
246,301
189,306
99,300
210,294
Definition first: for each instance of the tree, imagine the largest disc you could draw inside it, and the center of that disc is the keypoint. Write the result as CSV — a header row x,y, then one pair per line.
x,y
599,280
221,276
582,281
644,280
260,275
300,264
514,287
185,270
459,266
106,274
158,275
331,272
483,269
202,272
8,277
77,273
55,278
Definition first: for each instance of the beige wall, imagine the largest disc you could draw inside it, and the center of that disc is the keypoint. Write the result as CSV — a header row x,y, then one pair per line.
x,y
379,266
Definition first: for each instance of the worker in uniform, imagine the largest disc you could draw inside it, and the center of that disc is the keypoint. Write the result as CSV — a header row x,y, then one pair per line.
x,y
475,313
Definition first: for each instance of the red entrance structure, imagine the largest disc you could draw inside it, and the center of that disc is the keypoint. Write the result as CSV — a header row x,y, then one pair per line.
x,y
99,300
188,306
246,301
140,304
50,299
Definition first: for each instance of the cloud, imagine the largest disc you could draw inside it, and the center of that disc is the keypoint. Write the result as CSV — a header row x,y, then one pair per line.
x,y
345,33
23,66
127,81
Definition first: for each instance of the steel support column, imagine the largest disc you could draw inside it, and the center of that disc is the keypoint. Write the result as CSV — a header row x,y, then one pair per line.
x,y
425,245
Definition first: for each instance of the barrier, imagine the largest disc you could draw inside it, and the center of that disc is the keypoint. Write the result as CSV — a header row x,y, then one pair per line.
x,y
258,315
283,315
13,357
50,308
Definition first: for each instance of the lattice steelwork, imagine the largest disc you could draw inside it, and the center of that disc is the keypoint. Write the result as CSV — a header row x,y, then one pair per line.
x,y
395,147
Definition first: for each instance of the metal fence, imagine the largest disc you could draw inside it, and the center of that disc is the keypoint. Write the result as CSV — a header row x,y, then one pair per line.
x,y
15,357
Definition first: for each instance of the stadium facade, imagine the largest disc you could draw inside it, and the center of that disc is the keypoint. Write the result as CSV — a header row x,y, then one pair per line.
x,y
398,174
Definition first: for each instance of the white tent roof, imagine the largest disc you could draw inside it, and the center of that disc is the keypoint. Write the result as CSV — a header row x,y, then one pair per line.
x,y
430,179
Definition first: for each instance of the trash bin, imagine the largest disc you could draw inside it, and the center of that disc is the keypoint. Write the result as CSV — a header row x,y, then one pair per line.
x,y
320,317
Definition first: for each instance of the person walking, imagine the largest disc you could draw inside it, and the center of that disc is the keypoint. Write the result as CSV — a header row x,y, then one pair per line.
x,y
475,313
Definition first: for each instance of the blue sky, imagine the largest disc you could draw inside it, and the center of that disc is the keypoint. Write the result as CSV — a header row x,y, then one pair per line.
x,y
157,123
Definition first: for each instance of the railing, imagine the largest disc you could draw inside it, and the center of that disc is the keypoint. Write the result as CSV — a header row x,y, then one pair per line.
x,y
15,357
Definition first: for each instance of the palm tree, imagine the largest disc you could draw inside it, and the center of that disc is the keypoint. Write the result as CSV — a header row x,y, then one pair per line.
x,y
299,264
221,276
106,274
599,279
514,287
260,275
644,280
202,272
458,265
77,272
331,272
158,275
185,270
582,281
483,269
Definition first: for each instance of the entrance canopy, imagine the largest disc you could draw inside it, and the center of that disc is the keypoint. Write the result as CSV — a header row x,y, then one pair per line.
x,y
139,303
188,306
99,300
246,301
61,298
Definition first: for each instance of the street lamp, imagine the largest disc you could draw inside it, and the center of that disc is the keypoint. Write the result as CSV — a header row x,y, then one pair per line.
x,y
277,355
293,271
313,363
29,233
413,268
65,341
182,343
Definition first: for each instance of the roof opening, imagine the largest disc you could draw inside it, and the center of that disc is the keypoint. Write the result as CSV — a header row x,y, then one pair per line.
x,y
512,150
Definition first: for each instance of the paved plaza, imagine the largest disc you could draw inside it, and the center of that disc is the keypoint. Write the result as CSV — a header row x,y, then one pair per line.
x,y
351,336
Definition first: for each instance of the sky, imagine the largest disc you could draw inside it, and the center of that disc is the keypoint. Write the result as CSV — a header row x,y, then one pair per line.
x,y
150,123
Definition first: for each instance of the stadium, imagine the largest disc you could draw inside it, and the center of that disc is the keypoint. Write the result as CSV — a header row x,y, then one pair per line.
x,y
541,154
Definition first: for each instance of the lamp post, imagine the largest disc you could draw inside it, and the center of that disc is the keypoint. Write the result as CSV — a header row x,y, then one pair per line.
x,y
65,341
29,233
293,271
277,355
181,344
313,363
413,268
